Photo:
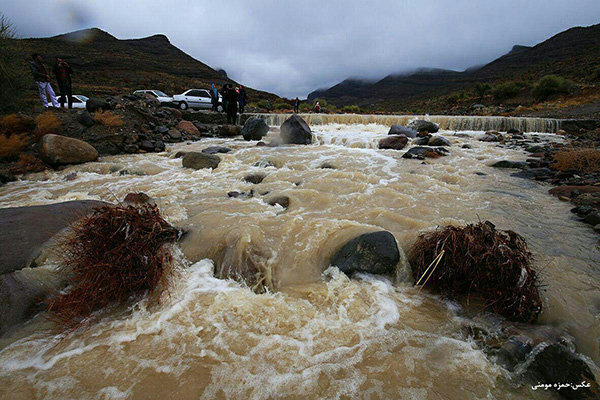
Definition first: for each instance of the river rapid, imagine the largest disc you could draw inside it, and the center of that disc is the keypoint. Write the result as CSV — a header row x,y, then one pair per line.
x,y
315,333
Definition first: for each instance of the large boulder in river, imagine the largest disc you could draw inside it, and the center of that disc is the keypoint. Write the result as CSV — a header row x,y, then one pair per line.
x,y
422,152
25,230
196,160
61,150
374,253
420,125
295,131
397,142
188,128
402,130
438,141
255,129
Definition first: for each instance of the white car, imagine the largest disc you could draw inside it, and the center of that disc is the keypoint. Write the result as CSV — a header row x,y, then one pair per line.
x,y
79,101
163,98
195,98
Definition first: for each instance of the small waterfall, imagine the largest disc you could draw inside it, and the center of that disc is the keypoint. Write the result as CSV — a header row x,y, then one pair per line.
x,y
451,123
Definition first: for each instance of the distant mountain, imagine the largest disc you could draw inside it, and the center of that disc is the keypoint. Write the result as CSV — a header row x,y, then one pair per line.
x,y
574,53
103,64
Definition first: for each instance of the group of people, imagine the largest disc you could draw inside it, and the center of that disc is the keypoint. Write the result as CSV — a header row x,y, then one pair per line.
x,y
62,71
234,100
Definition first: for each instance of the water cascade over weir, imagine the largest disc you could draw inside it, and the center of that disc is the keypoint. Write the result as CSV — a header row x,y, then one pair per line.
x,y
449,123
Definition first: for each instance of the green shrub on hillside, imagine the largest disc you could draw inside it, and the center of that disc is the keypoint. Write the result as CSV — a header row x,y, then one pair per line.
x,y
304,108
280,105
12,76
351,109
550,85
481,89
507,90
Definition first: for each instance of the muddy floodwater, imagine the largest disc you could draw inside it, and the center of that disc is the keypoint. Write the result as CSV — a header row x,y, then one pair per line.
x,y
316,333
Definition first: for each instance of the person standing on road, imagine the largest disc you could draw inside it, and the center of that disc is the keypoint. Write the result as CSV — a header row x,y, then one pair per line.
x,y
62,70
242,99
296,105
42,80
231,99
214,97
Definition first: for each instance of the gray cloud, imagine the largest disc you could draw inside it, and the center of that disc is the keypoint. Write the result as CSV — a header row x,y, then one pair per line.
x,y
292,48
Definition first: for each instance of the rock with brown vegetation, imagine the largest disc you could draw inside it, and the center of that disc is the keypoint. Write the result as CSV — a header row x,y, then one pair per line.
x,y
196,160
228,130
397,142
61,150
137,198
114,254
479,264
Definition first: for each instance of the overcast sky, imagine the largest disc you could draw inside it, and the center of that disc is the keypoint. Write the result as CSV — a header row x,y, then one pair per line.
x,y
293,47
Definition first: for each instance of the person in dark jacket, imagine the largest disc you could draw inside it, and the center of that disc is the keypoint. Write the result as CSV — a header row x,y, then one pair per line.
x,y
242,99
296,105
230,97
42,80
62,70
214,97
223,92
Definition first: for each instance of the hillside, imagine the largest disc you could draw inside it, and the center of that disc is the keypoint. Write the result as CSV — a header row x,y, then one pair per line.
x,y
574,54
103,64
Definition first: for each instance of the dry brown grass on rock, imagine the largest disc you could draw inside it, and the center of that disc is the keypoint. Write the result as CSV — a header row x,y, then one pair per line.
x,y
582,160
491,267
47,123
16,123
115,253
107,118
11,146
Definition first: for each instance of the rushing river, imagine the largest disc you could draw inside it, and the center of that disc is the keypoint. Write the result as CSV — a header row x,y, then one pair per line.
x,y
317,334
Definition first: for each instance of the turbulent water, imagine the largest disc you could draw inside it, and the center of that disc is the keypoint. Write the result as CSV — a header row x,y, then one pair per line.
x,y
318,334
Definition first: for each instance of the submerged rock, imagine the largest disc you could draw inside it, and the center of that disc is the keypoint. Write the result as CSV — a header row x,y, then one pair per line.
x,y
283,201
254,178
295,131
393,142
422,152
216,150
374,253
255,129
402,130
510,164
197,160
420,125
61,150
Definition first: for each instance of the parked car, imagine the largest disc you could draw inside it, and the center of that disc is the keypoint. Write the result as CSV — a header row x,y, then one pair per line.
x,y
79,101
196,98
163,98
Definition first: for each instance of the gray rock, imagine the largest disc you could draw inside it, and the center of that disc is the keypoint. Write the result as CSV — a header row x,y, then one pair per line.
x,y
94,104
24,231
592,218
422,125
61,150
421,141
375,253
489,138
162,129
283,201
438,141
146,145
397,142
131,148
159,146
402,130
422,152
295,131
174,134
510,164
255,129
196,160
85,119
216,150
254,178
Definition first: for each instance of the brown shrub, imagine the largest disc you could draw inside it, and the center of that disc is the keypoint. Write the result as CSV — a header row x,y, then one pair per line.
x,y
115,253
582,160
16,123
481,264
109,119
46,123
29,163
11,146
